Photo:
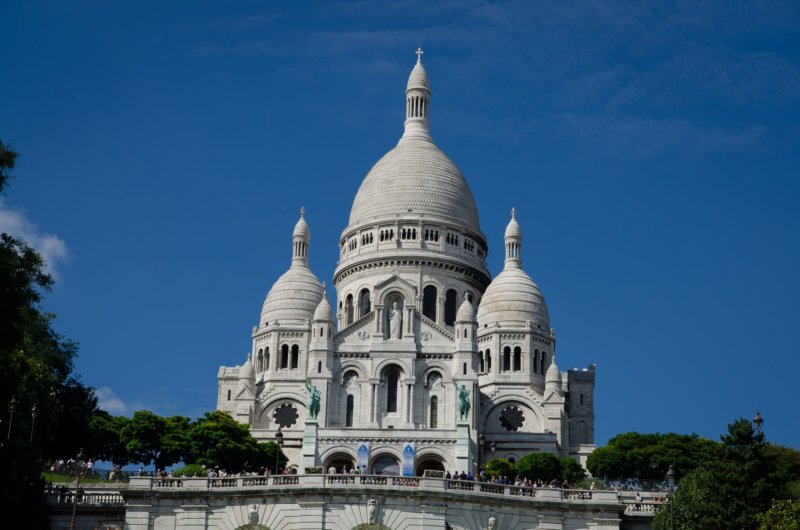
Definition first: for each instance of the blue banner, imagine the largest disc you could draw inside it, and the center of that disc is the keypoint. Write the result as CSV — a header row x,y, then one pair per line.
x,y
407,468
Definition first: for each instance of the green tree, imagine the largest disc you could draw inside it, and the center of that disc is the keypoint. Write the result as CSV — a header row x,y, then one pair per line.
x,y
152,439
729,491
35,366
684,509
649,456
534,466
217,439
104,438
8,158
782,515
499,467
572,471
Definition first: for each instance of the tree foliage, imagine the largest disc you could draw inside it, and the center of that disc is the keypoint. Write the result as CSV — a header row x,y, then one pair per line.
x,y
572,471
35,369
545,466
105,440
649,456
500,467
782,515
152,439
730,490
217,439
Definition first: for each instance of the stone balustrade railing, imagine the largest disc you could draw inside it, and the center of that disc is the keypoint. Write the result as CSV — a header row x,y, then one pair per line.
x,y
86,498
343,482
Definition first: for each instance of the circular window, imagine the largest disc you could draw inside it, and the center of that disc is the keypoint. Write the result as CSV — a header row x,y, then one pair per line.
x,y
286,415
512,419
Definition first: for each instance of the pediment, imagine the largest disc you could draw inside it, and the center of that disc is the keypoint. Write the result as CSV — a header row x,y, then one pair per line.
x,y
429,331
393,281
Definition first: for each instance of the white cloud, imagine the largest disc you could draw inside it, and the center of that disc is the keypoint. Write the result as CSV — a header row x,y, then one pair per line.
x,y
110,402
51,247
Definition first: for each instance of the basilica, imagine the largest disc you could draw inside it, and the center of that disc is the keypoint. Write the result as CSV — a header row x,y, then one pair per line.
x,y
423,361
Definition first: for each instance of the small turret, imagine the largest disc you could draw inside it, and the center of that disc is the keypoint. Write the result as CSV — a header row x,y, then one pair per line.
x,y
301,237
513,239
418,95
552,380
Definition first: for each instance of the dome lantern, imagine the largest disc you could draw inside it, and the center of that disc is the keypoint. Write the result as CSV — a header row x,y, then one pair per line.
x,y
513,239
418,95
301,237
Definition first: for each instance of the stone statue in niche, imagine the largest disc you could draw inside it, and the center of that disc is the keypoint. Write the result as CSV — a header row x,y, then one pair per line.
x,y
254,514
395,321
492,523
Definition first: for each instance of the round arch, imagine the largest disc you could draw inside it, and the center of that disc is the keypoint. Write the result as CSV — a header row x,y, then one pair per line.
x,y
264,419
490,424
371,526
435,366
252,527
384,463
354,366
431,462
340,459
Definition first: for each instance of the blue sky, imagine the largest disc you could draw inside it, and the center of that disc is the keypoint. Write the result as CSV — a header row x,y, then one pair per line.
x,y
651,151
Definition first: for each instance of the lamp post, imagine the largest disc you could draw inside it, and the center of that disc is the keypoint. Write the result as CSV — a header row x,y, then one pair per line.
x,y
80,462
481,445
33,420
12,406
279,439
671,484
758,421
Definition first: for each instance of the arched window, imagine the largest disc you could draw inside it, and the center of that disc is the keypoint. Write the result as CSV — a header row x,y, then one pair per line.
x,y
429,302
392,379
295,355
506,359
364,306
285,356
488,360
348,418
450,307
266,359
348,309
517,359
536,361
481,364
260,362
434,412
543,363
229,395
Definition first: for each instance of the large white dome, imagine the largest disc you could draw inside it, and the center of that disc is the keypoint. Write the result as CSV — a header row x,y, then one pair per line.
x,y
415,178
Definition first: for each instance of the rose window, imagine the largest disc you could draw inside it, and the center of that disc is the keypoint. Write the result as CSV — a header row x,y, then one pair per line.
x,y
286,415
512,419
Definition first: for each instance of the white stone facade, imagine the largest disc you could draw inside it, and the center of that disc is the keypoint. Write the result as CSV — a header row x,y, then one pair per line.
x,y
414,249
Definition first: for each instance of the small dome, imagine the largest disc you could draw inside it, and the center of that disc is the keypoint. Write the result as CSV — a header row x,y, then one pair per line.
x,y
293,298
513,299
323,311
301,228
466,313
553,374
246,371
418,78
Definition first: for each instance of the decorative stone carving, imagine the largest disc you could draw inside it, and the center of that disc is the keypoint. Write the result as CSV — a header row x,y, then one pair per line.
x,y
363,335
253,514
395,321
492,523
372,511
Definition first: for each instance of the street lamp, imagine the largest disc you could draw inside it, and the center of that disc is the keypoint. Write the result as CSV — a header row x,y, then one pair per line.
x,y
80,461
481,445
12,406
33,419
279,439
758,421
671,482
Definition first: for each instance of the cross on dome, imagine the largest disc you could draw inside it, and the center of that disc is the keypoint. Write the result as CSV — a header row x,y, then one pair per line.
x,y
302,211
419,53
513,213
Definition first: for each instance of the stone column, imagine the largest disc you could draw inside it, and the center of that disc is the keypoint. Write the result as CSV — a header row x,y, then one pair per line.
x,y
309,456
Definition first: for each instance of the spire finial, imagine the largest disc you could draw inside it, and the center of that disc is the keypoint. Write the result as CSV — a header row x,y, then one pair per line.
x,y
419,53
513,213
302,212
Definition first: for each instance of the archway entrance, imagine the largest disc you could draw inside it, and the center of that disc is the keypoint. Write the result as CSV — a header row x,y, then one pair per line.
x,y
341,461
430,462
385,465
